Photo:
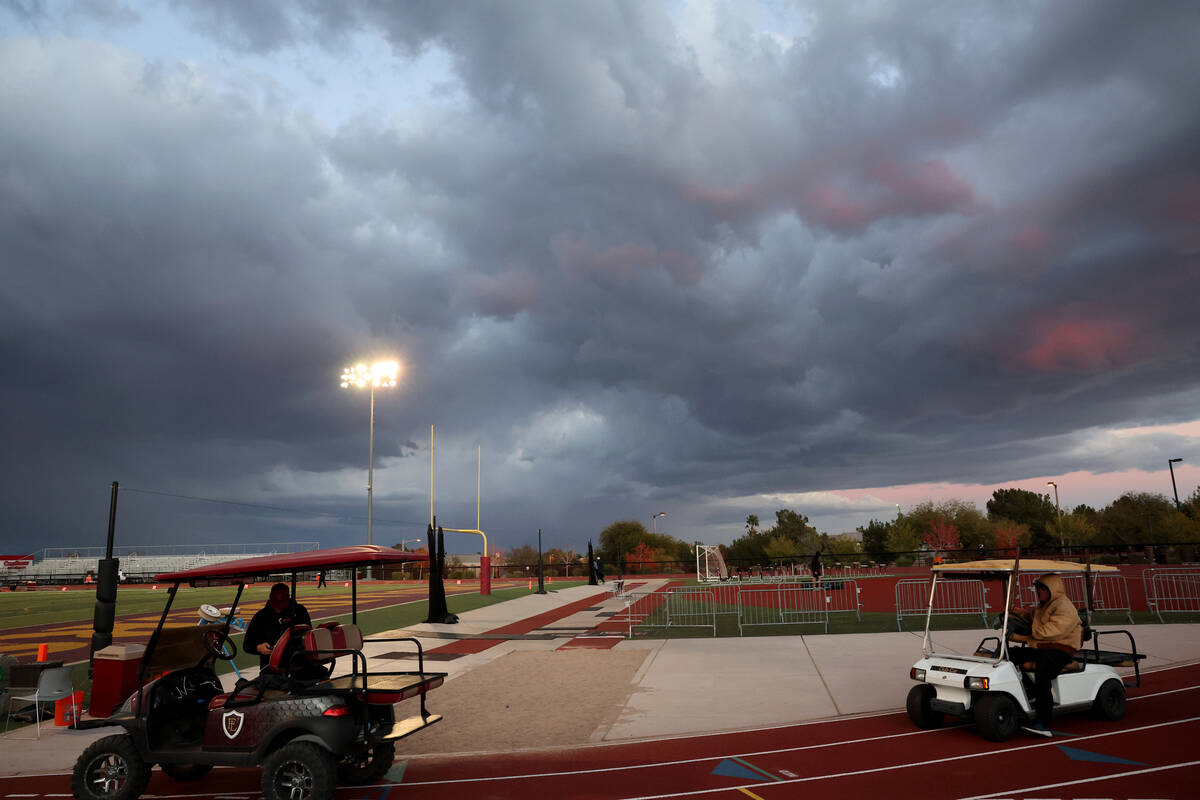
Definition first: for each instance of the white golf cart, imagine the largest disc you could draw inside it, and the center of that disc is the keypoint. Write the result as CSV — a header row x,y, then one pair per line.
x,y
987,687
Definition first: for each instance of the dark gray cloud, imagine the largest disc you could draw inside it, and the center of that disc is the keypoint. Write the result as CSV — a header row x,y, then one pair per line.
x,y
639,257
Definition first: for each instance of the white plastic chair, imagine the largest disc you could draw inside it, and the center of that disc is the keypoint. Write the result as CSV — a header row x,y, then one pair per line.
x,y
53,684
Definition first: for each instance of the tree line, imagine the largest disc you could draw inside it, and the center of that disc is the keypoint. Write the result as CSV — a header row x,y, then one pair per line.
x,y
1011,517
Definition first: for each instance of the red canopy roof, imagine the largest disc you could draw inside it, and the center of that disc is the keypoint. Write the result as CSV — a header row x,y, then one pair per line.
x,y
309,561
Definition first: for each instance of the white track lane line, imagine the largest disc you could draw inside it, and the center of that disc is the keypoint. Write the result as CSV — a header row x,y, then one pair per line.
x,y
910,764
684,761
569,773
1097,779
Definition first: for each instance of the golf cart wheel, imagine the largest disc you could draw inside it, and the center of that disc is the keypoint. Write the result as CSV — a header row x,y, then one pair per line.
x,y
918,707
996,717
367,764
110,769
1110,700
186,772
298,771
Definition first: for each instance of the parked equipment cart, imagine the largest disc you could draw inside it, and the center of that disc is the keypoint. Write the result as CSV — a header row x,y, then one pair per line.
x,y
308,722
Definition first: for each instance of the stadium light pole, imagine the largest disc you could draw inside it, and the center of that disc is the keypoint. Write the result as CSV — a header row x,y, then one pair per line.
x,y
380,375
654,520
1171,466
1061,544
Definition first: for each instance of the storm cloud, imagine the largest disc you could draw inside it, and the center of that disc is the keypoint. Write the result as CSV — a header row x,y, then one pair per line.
x,y
702,256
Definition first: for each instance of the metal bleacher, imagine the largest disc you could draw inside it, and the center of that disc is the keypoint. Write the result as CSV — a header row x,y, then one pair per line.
x,y
143,563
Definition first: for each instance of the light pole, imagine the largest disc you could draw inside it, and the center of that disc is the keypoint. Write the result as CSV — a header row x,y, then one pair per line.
x,y
1061,544
1171,466
404,543
654,520
380,375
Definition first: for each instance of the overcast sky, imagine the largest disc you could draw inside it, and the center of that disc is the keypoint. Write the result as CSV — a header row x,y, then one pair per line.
x,y
704,258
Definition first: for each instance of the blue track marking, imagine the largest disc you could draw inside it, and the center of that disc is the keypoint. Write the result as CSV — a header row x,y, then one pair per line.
x,y
1075,754
396,773
735,767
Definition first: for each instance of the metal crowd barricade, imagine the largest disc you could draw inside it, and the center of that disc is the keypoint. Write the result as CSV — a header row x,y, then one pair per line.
x,y
1173,591
691,608
953,596
636,607
1110,592
679,608
842,596
783,604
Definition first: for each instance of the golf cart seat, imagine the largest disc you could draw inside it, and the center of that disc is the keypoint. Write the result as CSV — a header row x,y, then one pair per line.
x,y
323,644
1073,665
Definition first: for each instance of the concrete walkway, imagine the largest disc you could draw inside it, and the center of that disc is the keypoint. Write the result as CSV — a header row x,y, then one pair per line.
x,y
684,685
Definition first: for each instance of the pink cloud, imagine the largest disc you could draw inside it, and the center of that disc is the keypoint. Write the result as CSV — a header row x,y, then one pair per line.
x,y
1081,345
623,261
1031,239
833,207
1096,489
928,187
839,193
503,295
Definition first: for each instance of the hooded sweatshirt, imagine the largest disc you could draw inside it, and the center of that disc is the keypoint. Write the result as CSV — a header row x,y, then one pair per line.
x,y
1056,623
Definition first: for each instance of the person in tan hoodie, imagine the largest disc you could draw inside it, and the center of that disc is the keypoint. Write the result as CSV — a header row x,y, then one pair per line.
x,y
1057,634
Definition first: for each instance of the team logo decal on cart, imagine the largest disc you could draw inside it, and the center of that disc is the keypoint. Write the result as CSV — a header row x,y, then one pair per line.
x,y
232,723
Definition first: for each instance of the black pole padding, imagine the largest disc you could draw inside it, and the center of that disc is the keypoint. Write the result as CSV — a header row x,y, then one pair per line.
x,y
438,611
112,519
107,571
591,565
541,571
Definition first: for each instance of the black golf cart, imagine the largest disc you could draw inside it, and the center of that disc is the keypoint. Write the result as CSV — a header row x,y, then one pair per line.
x,y
307,722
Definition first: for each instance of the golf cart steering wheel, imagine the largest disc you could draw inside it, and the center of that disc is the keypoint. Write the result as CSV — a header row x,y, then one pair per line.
x,y
1015,625
218,644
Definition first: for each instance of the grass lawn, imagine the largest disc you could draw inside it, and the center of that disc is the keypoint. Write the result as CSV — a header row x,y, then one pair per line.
x,y
66,608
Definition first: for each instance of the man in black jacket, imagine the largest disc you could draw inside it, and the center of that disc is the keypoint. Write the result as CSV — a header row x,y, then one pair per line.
x,y
279,614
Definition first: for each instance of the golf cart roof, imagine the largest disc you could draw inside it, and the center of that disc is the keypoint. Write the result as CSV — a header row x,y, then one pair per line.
x,y
359,555
1038,565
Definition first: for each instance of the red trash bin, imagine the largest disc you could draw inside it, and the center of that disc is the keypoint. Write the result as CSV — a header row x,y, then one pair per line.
x,y
114,677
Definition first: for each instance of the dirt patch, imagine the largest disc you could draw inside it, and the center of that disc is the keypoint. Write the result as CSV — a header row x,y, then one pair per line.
x,y
527,698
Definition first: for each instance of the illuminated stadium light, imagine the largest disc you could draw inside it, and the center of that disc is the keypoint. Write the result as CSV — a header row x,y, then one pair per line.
x,y
380,375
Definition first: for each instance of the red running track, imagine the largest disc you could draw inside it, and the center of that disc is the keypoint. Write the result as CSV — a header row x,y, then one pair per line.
x,y
1149,754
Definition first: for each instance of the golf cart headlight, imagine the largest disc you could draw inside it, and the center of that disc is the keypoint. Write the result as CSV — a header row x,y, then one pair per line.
x,y
916,674
976,684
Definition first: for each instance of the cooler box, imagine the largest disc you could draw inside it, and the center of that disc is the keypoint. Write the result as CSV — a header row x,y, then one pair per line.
x,y
114,677
65,710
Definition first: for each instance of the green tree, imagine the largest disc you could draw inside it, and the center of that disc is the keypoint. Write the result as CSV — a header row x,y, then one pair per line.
x,y
525,555
622,537
1073,529
752,524
874,539
844,544
780,547
903,538
1025,508
1135,518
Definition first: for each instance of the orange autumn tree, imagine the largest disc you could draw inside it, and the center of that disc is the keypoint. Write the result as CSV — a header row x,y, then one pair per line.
x,y
642,558
942,535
